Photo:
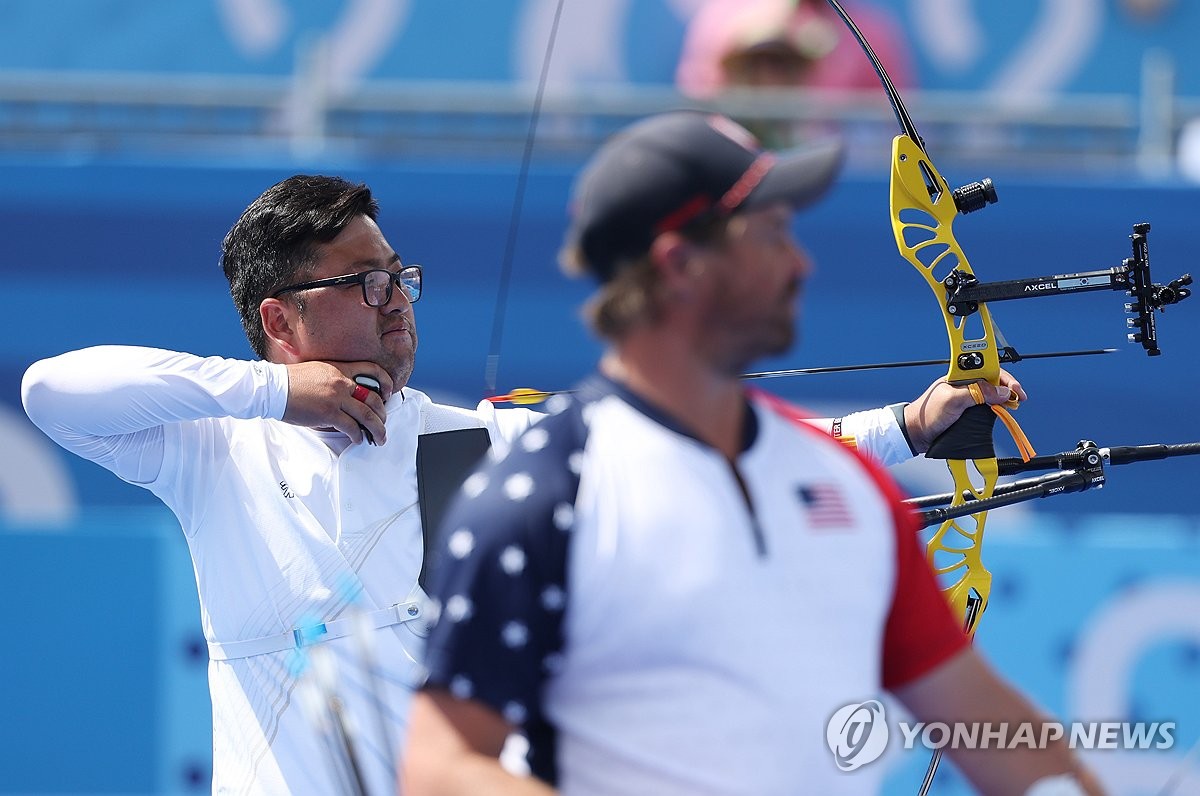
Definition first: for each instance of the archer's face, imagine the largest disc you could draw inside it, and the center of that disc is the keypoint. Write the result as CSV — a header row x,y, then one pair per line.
x,y
338,325
756,277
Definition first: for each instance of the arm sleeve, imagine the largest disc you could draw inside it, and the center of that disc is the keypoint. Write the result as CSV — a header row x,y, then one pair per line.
x,y
499,577
499,592
879,433
109,404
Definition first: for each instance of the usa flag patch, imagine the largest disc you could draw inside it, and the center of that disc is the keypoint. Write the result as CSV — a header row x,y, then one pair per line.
x,y
825,505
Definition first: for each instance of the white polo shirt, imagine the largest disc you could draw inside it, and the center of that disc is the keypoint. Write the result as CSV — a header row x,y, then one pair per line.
x,y
660,620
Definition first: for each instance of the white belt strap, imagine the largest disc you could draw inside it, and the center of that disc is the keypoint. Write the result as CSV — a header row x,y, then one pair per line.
x,y
314,634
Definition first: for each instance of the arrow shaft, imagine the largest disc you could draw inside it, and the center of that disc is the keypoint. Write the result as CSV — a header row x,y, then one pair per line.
x,y
915,363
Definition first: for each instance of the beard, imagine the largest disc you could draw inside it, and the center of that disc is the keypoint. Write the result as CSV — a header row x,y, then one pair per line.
x,y
735,356
781,344
397,360
398,366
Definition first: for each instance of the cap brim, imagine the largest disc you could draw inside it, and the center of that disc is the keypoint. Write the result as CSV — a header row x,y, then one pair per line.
x,y
799,176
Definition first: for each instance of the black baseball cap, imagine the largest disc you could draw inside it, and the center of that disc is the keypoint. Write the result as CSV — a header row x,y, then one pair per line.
x,y
663,172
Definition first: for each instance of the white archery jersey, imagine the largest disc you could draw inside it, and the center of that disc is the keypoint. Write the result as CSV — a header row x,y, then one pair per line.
x,y
659,619
288,528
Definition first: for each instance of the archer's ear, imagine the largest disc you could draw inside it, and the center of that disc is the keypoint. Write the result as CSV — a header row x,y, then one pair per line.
x,y
679,266
670,253
279,320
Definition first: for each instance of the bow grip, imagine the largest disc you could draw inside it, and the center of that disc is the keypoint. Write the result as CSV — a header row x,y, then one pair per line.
x,y
970,437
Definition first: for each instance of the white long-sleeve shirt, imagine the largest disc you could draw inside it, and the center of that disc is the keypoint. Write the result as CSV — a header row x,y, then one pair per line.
x,y
288,527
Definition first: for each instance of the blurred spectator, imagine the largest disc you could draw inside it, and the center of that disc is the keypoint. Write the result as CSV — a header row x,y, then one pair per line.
x,y
1146,10
782,43
787,43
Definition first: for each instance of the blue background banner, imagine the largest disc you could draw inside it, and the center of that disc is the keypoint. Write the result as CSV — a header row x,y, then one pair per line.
x,y
1026,46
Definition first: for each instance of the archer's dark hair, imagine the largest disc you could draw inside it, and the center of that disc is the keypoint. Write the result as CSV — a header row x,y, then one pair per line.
x,y
275,241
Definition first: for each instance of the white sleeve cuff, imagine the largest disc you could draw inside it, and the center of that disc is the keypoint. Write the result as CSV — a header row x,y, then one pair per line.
x,y
274,378
879,434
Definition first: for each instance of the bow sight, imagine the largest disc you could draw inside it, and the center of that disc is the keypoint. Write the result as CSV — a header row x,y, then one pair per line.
x,y
964,291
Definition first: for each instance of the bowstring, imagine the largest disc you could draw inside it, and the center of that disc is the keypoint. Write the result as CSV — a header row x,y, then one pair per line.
x,y
492,368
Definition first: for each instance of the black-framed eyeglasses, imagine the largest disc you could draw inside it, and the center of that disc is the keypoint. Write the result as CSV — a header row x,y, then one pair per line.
x,y
376,284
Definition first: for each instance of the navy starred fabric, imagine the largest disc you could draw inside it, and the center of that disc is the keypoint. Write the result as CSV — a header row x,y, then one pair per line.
x,y
499,576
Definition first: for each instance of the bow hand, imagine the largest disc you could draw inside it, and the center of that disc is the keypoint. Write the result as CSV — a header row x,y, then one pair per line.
x,y
932,414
